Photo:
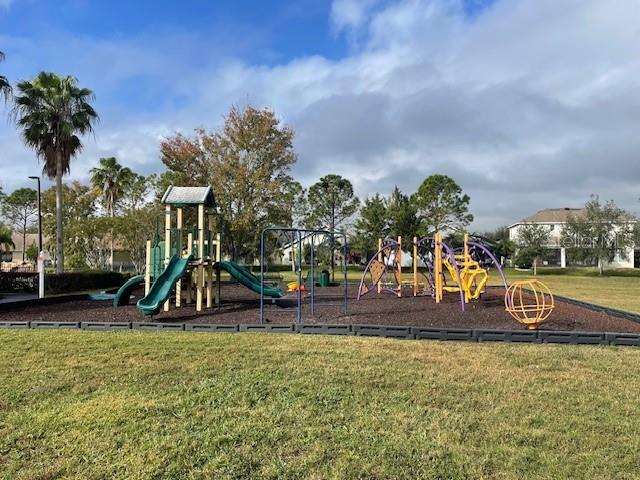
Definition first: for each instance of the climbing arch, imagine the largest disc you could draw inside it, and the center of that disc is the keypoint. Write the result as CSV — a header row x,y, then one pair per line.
x,y
383,273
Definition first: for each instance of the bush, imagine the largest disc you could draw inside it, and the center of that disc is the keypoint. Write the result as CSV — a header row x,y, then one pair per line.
x,y
80,281
524,259
18,282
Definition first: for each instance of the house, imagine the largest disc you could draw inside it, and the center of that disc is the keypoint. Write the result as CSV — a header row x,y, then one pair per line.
x,y
21,248
284,254
13,259
555,219
322,242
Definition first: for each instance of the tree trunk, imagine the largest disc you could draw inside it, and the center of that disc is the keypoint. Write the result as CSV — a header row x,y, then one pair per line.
x,y
24,240
59,210
233,249
600,267
111,244
535,266
333,239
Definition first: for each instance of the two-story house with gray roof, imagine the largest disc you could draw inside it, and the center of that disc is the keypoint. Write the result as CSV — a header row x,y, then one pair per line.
x,y
555,219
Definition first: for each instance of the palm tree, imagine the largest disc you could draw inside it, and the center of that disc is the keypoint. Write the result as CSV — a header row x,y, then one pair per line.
x,y
6,243
111,179
5,86
52,112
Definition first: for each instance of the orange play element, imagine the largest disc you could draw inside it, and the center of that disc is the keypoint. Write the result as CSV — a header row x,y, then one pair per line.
x,y
293,287
529,311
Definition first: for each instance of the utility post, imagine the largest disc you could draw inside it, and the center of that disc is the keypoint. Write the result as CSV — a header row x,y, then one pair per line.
x,y
40,258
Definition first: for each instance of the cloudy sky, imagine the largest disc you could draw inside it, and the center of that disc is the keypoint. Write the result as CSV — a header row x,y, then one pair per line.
x,y
528,104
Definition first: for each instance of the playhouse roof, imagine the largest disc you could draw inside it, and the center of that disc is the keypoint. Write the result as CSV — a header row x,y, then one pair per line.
x,y
185,196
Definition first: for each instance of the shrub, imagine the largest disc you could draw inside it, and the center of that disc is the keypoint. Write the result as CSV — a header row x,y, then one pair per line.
x,y
18,282
524,259
61,283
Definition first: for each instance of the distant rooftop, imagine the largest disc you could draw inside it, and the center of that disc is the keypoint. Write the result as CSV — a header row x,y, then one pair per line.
x,y
30,238
552,215
186,196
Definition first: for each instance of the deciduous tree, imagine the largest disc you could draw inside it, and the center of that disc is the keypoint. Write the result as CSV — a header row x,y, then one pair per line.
x,y
501,242
91,242
330,202
80,201
137,190
402,215
371,225
296,203
133,229
20,208
532,239
442,207
247,164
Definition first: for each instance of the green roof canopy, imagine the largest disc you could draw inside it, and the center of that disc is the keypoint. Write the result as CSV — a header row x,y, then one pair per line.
x,y
189,196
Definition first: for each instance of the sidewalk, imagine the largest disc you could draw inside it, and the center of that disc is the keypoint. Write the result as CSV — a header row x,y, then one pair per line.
x,y
17,297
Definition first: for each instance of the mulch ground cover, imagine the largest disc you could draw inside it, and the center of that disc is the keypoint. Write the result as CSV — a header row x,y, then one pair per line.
x,y
240,305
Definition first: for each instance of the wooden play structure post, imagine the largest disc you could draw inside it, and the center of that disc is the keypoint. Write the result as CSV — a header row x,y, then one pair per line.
x,y
437,266
466,245
200,266
147,269
466,259
415,266
189,253
167,243
179,246
210,263
218,260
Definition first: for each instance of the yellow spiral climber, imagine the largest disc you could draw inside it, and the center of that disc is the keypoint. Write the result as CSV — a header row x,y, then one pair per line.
x,y
530,302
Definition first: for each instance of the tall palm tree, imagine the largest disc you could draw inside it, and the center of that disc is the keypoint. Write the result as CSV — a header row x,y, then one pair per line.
x,y
111,179
5,86
52,112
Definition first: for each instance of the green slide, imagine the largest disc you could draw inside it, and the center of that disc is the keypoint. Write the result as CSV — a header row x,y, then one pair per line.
x,y
161,288
124,293
249,280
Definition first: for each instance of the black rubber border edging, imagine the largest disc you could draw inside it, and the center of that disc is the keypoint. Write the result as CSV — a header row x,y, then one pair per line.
x,y
380,331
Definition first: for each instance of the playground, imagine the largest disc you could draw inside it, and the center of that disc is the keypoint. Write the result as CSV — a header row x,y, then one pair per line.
x,y
241,306
187,281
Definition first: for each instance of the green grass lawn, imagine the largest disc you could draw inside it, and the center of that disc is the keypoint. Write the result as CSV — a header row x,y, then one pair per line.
x,y
91,405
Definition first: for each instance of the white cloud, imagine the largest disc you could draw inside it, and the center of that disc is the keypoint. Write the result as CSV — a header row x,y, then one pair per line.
x,y
528,105
351,13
